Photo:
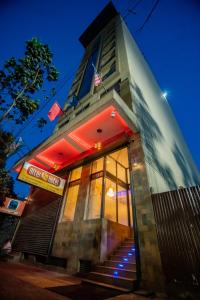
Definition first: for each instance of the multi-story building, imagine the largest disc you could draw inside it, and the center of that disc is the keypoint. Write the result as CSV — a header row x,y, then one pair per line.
x,y
116,144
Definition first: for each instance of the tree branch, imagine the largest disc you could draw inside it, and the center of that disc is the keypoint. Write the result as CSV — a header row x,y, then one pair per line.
x,y
19,95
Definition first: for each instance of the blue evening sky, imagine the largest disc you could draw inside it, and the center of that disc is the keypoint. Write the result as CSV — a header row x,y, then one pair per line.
x,y
170,41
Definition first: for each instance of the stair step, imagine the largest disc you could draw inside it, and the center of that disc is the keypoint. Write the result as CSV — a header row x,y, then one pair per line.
x,y
128,244
124,252
114,263
121,272
129,240
113,280
123,258
127,247
105,285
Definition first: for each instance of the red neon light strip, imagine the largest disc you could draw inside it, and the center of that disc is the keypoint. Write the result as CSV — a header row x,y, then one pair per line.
x,y
122,121
105,113
79,140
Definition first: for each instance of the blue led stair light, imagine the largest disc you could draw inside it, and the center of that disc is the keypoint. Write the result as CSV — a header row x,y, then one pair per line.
x,y
115,273
120,265
125,259
130,254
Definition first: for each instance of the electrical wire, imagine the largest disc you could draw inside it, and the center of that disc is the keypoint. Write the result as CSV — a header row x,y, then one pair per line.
x,y
149,15
42,107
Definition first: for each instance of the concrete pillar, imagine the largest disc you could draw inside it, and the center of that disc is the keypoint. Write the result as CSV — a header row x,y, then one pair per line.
x,y
151,268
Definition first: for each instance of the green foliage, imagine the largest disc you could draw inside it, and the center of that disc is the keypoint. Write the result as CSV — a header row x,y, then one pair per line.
x,y
21,79
41,123
6,185
21,82
6,139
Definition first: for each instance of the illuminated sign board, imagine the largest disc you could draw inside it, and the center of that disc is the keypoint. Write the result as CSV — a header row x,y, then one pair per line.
x,y
41,178
13,207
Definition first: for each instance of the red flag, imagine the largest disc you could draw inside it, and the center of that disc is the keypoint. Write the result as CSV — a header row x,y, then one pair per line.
x,y
55,111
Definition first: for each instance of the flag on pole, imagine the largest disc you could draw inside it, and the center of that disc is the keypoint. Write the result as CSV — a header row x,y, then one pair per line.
x,y
74,101
15,146
55,111
97,77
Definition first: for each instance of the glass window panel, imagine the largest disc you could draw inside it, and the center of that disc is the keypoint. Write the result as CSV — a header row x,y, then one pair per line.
x,y
111,70
111,165
110,200
71,203
97,165
121,156
89,73
122,206
121,173
94,202
76,174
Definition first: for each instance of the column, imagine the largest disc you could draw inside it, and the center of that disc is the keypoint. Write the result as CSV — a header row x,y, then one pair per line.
x,y
150,262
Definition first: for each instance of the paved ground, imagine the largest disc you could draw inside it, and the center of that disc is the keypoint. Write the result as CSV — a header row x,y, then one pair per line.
x,y
28,282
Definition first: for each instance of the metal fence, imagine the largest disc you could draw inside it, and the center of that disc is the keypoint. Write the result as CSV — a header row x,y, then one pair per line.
x,y
177,215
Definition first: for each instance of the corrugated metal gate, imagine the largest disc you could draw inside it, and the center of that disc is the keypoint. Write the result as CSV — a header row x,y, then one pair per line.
x,y
37,226
177,215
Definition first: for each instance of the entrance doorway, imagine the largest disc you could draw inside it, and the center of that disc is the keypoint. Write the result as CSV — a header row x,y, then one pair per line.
x,y
96,216
109,190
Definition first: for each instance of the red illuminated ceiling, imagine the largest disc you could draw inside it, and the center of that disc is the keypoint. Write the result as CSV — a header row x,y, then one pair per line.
x,y
87,134
105,128
38,164
58,153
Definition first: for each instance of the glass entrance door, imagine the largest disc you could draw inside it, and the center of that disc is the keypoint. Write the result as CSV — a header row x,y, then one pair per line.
x,y
117,206
109,195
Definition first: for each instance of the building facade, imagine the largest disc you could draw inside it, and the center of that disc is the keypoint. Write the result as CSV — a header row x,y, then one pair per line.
x,y
116,145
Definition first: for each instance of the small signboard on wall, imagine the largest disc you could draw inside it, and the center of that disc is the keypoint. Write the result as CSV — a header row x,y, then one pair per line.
x,y
13,207
41,178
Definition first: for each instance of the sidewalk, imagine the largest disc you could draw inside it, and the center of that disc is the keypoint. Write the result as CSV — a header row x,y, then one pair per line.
x,y
28,282
18,281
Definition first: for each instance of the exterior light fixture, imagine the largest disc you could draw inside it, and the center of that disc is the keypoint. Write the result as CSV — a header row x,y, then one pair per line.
x,y
56,167
134,163
115,273
113,114
164,95
98,145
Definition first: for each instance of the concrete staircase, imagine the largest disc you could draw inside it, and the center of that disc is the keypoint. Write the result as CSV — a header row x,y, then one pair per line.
x,y
119,271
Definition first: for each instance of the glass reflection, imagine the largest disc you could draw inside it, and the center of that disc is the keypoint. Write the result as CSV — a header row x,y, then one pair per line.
x,y
110,200
94,202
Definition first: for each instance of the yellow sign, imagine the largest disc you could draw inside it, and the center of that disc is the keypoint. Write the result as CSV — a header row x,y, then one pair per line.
x,y
41,178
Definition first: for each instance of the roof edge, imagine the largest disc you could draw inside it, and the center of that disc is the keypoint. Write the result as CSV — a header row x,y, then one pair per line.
x,y
98,24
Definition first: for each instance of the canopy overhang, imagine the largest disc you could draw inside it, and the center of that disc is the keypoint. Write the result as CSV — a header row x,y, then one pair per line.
x,y
105,122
